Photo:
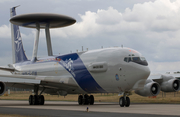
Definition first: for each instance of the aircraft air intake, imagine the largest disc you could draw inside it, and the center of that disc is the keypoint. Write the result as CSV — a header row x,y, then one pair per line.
x,y
170,84
2,88
150,89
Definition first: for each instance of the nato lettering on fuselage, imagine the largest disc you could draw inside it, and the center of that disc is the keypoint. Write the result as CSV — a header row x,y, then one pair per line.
x,y
30,73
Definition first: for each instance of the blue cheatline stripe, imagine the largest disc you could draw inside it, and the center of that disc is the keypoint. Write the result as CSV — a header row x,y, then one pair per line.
x,y
74,65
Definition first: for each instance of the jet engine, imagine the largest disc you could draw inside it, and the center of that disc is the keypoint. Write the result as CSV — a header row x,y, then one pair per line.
x,y
170,84
151,88
2,88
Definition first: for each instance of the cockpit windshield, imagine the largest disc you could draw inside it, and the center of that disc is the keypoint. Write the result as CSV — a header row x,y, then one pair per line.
x,y
138,60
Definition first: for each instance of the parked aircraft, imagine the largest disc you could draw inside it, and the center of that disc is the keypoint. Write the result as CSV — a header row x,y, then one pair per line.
x,y
109,70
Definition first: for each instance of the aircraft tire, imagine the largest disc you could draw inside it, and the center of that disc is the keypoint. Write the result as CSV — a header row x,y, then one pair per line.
x,y
30,100
91,99
121,101
80,99
86,99
41,100
35,100
127,103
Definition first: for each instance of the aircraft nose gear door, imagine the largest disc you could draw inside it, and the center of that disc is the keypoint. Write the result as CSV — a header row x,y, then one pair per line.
x,y
122,74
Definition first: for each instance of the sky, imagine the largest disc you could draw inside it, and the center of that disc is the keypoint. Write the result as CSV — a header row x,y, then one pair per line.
x,y
151,27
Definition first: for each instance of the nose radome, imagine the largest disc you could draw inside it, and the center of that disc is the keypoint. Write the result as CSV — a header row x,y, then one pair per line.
x,y
145,72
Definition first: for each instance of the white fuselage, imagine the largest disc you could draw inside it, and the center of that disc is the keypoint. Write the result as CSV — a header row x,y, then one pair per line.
x,y
96,71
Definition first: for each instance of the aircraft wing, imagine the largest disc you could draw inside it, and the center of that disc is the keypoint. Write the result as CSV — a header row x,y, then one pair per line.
x,y
37,79
161,77
52,84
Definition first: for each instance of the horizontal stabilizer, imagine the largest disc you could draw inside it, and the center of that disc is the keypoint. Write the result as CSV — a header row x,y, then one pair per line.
x,y
7,69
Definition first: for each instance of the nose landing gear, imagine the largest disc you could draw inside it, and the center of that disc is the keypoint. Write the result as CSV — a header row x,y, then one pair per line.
x,y
124,101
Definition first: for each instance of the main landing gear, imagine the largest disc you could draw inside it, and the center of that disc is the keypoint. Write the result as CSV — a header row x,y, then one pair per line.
x,y
124,101
86,99
36,99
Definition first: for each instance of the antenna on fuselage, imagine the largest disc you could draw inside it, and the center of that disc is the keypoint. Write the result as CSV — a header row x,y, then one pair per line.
x,y
42,21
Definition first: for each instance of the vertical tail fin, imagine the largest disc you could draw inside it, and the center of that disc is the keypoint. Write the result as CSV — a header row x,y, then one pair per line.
x,y
18,53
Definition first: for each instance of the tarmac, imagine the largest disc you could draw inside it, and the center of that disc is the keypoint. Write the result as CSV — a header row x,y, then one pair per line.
x,y
99,109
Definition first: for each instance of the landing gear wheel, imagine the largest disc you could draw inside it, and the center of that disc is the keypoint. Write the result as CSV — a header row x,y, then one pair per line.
x,y
35,100
41,100
127,103
86,99
91,99
121,102
80,99
30,100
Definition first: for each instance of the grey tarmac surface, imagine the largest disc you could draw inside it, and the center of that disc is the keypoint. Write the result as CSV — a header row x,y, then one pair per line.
x,y
99,109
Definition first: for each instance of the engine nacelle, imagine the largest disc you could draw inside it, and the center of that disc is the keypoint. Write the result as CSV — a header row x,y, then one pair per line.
x,y
171,85
2,88
150,89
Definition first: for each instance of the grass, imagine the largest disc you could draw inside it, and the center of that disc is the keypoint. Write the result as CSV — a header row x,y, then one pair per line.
x,y
173,98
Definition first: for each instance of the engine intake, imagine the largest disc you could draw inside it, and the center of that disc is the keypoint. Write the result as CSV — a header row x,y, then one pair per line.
x,y
2,88
150,89
171,85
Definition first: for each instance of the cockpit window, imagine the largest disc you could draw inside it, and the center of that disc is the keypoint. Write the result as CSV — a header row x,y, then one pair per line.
x,y
127,59
138,60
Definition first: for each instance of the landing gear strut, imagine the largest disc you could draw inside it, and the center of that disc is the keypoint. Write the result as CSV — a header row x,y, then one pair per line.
x,y
36,99
86,99
124,101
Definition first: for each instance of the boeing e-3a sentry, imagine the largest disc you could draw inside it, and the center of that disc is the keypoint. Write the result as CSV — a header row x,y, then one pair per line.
x,y
110,70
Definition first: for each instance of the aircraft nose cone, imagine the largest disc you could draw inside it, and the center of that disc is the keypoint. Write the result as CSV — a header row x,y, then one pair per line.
x,y
145,72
